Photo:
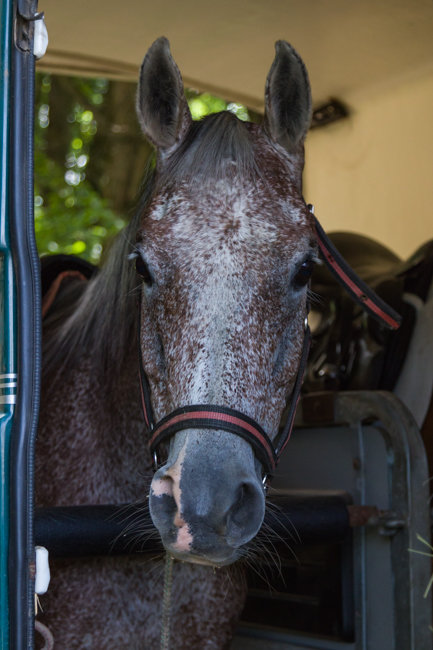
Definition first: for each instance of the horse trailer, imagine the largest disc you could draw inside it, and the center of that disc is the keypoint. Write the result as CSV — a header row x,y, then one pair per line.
x,y
343,559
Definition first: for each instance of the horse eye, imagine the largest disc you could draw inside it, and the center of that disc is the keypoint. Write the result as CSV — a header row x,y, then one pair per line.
x,y
303,274
143,271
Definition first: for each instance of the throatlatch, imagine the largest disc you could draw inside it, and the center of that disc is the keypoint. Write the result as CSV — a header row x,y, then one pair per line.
x,y
209,416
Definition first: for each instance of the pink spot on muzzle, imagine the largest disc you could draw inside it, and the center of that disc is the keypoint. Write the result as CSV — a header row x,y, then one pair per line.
x,y
161,488
169,485
184,538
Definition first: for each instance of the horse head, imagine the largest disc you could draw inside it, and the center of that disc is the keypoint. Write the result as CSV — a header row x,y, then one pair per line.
x,y
224,250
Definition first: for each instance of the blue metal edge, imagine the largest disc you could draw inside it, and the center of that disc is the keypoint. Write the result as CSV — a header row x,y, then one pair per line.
x,y
7,316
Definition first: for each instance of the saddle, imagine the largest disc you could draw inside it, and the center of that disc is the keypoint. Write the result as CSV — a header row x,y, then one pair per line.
x,y
61,271
351,350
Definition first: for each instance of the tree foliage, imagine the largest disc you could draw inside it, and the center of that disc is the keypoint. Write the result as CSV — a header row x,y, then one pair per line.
x,y
89,160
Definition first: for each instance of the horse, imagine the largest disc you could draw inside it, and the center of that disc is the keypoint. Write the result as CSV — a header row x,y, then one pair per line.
x,y
205,296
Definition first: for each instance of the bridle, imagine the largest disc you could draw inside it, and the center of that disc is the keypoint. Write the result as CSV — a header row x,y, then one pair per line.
x,y
210,416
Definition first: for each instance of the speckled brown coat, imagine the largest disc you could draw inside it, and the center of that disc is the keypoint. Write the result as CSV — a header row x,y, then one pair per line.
x,y
91,451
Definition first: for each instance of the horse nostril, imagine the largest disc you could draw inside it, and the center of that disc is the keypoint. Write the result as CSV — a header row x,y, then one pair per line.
x,y
239,510
246,514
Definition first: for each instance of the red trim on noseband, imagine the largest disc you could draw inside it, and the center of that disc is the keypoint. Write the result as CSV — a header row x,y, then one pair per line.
x,y
222,417
216,417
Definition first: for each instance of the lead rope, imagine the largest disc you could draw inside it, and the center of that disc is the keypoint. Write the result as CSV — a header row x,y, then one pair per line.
x,y
166,602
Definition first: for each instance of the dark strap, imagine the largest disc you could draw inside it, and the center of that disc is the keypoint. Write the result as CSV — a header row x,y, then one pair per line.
x,y
284,436
353,284
208,416
146,402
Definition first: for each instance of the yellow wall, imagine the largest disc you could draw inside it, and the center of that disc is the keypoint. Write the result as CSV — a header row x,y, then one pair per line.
x,y
373,172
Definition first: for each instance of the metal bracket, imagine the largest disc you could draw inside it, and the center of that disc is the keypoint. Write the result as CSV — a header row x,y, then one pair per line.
x,y
25,19
387,522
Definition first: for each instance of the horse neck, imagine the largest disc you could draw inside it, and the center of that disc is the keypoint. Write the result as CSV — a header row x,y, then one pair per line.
x,y
91,441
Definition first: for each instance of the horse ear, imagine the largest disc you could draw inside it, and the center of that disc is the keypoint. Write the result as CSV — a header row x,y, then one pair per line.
x,y
287,98
161,104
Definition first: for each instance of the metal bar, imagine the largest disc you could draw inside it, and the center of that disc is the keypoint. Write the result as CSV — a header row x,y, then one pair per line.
x,y
79,531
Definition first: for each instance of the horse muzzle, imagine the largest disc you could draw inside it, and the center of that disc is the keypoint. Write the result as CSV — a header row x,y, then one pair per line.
x,y
207,506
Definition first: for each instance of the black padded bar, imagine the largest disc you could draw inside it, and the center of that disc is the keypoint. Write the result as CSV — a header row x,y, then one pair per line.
x,y
79,531
308,518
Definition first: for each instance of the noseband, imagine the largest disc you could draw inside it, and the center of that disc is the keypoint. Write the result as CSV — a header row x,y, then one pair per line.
x,y
209,416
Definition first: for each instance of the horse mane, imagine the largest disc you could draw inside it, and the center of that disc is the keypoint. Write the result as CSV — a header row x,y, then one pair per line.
x,y
101,319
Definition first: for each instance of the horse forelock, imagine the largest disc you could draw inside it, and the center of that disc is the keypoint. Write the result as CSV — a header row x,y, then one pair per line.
x,y
210,151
